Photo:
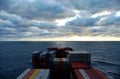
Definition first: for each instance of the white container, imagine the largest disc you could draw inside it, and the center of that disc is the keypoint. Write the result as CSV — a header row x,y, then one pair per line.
x,y
23,74
43,74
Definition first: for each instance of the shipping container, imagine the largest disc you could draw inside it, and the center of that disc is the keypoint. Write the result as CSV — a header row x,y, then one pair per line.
x,y
78,65
35,58
23,74
60,74
79,56
59,63
90,73
35,74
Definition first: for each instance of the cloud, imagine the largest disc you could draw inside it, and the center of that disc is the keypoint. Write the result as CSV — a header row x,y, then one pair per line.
x,y
36,9
42,24
104,18
79,21
9,19
111,20
5,23
4,4
92,5
14,26
101,14
20,19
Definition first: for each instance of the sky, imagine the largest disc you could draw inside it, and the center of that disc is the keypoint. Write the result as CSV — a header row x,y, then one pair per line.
x,y
59,20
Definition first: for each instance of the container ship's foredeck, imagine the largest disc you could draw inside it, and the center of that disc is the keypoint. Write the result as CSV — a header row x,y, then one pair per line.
x,y
61,63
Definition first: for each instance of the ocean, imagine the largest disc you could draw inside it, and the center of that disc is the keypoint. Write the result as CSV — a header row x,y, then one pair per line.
x,y
15,57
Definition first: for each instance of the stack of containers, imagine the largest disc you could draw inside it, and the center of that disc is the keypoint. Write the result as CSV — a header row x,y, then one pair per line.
x,y
79,56
52,54
75,66
42,59
35,59
78,60
60,68
90,73
80,66
60,63
35,74
48,58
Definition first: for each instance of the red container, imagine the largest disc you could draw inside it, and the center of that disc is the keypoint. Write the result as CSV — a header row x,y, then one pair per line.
x,y
78,65
90,73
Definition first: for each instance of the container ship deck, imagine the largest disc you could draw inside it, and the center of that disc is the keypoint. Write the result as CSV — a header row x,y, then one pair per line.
x,y
61,63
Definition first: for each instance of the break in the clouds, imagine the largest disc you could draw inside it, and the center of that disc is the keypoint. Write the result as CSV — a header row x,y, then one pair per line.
x,y
38,19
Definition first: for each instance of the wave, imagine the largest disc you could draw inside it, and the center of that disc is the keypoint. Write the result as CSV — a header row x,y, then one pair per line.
x,y
107,63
